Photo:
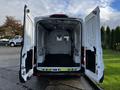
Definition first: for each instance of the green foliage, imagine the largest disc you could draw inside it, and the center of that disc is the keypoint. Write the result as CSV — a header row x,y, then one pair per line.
x,y
103,36
110,38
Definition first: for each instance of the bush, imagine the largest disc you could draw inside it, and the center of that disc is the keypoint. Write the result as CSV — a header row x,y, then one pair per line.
x,y
7,37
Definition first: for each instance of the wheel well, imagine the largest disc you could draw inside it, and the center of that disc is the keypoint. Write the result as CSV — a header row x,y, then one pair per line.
x,y
12,42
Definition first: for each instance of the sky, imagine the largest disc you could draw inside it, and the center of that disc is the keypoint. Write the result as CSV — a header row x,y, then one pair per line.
x,y
109,9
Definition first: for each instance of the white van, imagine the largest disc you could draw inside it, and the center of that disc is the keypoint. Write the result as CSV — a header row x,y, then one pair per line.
x,y
62,45
17,40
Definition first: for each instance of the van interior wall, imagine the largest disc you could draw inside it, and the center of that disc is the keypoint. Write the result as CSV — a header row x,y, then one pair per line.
x,y
41,32
77,43
47,46
77,37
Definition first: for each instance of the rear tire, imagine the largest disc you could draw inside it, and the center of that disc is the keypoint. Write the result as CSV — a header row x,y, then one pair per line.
x,y
12,44
20,78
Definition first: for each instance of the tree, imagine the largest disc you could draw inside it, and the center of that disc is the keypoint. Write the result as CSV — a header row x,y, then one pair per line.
x,y
117,37
2,32
112,40
13,26
108,38
103,36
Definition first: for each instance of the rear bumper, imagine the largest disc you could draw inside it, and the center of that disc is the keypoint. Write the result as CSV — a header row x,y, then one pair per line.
x,y
58,69
60,73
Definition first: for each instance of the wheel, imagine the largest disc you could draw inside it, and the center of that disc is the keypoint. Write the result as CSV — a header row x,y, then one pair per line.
x,y
20,78
12,44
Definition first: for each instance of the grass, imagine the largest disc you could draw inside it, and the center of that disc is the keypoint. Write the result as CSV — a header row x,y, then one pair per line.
x,y
112,70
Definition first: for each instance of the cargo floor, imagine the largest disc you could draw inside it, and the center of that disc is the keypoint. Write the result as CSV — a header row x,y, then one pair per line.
x,y
58,60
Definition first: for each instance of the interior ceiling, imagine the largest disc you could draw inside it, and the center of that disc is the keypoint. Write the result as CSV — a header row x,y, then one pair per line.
x,y
53,24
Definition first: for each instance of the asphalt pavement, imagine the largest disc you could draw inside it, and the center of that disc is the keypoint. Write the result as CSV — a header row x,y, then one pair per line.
x,y
9,67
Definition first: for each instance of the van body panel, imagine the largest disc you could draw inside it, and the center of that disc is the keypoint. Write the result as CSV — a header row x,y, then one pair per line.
x,y
94,67
27,52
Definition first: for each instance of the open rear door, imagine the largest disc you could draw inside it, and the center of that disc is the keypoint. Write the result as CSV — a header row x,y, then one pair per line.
x,y
94,67
27,52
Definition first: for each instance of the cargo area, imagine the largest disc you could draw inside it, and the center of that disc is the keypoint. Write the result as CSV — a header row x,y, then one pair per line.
x,y
58,42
